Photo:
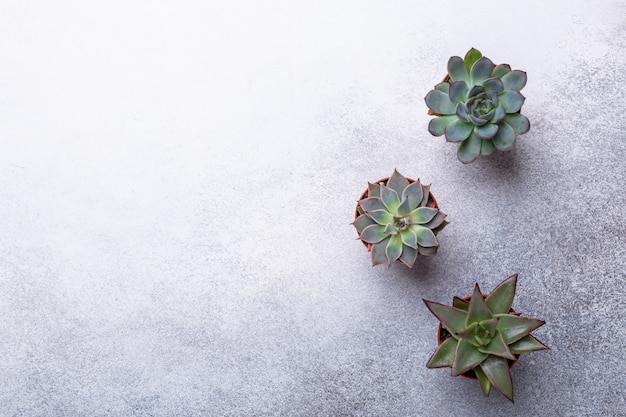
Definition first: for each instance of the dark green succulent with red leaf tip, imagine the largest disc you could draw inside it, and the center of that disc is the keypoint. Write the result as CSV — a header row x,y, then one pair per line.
x,y
484,336
478,104
398,219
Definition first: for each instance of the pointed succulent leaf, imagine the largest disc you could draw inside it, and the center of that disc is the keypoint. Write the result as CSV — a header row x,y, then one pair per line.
x,y
436,221
513,328
490,325
487,147
427,251
526,344
458,131
397,182
382,217
466,357
452,319
514,80
477,89
404,208
485,384
478,310
443,87
469,149
500,70
493,84
461,112
471,57
498,114
477,121
486,131
372,203
425,195
460,303
390,198
497,347
362,222
379,255
458,91
511,100
373,233
408,238
439,102
518,122
437,125
408,257
505,137
469,334
413,194
425,236
373,190
444,355
390,230
423,215
394,248
457,69
481,70
497,370
500,299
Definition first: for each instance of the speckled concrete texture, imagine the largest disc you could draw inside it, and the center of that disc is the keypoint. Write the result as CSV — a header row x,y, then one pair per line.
x,y
178,181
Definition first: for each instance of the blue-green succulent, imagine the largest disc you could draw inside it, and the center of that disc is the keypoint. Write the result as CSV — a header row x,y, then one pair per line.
x,y
478,104
398,219
483,336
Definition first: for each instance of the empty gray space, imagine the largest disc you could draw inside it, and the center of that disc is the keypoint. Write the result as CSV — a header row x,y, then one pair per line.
x,y
177,183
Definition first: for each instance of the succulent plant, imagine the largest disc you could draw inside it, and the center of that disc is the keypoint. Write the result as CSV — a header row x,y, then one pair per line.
x,y
398,219
478,104
483,337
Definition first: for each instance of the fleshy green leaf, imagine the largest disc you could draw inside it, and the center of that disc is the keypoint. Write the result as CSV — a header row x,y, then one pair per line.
x,y
458,91
498,114
443,87
460,303
404,208
397,182
379,255
469,149
440,102
466,357
394,248
487,147
478,310
425,194
390,230
413,193
382,217
511,100
457,69
490,325
430,251
485,384
425,237
437,126
451,318
471,57
458,131
477,89
362,222
423,215
436,221
497,347
486,131
518,122
481,70
372,203
373,190
497,370
468,334
500,299
527,344
505,138
514,328
500,70
373,233
514,80
461,112
390,198
493,84
409,238
444,355
408,256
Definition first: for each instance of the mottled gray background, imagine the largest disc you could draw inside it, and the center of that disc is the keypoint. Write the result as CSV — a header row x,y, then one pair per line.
x,y
177,180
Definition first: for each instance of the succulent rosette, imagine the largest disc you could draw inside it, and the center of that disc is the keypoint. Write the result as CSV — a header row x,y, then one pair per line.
x,y
398,219
478,104
484,336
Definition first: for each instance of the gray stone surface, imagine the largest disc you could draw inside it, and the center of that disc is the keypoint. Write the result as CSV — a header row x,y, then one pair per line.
x,y
178,179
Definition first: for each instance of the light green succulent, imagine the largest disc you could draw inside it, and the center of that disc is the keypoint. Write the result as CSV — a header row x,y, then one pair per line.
x,y
484,336
398,220
478,105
